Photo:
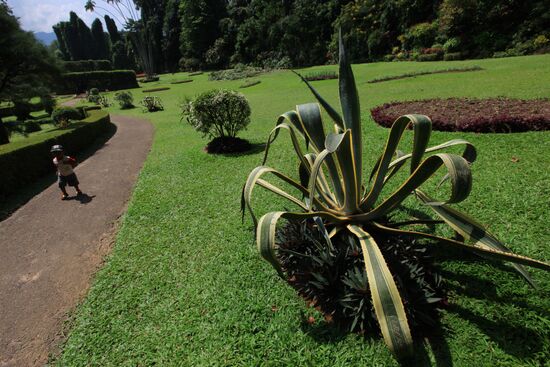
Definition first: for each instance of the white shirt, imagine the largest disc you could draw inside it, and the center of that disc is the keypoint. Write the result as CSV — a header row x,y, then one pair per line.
x,y
64,168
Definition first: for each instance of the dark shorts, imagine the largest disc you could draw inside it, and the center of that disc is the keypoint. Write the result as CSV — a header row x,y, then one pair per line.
x,y
70,180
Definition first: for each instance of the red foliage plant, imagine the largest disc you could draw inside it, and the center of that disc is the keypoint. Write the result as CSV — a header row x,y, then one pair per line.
x,y
493,115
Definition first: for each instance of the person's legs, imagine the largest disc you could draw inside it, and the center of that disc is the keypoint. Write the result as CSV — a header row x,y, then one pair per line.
x,y
62,184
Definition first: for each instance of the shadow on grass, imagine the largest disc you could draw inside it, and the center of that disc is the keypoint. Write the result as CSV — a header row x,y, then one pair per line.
x,y
255,149
24,194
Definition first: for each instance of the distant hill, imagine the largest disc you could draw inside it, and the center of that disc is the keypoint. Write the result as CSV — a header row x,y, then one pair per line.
x,y
45,38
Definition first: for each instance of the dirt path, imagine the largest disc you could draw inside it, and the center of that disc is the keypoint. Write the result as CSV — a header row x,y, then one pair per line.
x,y
49,248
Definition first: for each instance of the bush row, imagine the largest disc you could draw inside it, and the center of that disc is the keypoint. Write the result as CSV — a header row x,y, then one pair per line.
x,y
493,115
103,80
10,110
23,166
87,65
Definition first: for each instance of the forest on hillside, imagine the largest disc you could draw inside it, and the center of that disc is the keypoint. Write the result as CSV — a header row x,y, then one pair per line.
x,y
213,34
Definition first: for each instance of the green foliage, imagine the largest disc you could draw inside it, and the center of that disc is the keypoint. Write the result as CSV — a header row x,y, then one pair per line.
x,y
28,163
452,56
48,103
21,109
218,113
152,104
31,126
63,115
125,99
104,80
87,65
240,71
335,197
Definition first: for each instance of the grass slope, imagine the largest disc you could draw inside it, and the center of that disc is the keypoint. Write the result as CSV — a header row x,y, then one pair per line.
x,y
184,285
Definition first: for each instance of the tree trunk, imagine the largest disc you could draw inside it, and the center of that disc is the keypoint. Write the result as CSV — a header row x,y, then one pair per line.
x,y
4,137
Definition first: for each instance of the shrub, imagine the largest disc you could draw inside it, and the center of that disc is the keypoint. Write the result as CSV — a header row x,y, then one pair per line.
x,y
452,56
48,103
250,83
87,65
159,89
429,57
493,115
239,72
63,115
31,126
420,73
182,81
451,45
541,41
104,80
125,99
152,104
189,64
218,113
150,79
196,73
22,109
321,75
341,219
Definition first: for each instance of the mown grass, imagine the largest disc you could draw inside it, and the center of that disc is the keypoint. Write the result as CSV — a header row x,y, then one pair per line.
x,y
184,285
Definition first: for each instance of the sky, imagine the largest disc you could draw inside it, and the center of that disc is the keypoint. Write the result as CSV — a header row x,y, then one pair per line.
x,y
41,15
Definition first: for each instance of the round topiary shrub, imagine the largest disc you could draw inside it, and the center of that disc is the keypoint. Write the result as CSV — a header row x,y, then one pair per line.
x,y
125,99
22,109
493,115
31,126
63,115
48,103
221,114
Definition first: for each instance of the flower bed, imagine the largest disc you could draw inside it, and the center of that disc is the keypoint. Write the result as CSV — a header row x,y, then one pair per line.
x,y
494,115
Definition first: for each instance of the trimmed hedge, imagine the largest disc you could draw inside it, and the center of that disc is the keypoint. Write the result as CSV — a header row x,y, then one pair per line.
x,y
24,165
102,80
8,111
87,65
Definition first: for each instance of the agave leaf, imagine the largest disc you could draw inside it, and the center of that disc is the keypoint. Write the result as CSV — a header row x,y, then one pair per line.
x,y
253,180
351,111
335,116
346,161
471,230
461,183
470,153
481,251
422,129
275,133
313,178
281,193
312,124
386,299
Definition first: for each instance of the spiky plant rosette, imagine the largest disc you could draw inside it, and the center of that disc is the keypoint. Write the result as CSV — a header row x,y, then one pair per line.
x,y
335,196
329,274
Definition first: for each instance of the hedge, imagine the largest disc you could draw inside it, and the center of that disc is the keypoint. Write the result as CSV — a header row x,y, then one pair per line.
x,y
24,165
87,65
7,111
103,80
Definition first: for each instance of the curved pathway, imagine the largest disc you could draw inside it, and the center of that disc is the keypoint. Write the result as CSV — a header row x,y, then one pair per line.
x,y
49,249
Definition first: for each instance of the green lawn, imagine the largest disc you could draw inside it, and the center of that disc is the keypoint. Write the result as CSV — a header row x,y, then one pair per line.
x,y
184,285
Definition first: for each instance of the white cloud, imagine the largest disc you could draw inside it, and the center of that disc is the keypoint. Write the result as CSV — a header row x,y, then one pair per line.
x,y
40,16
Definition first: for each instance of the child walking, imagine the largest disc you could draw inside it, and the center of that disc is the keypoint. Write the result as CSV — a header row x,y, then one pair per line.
x,y
65,173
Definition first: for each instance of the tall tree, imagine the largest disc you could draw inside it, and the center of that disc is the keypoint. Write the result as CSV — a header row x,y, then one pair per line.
x,y
114,35
171,34
101,41
200,26
26,66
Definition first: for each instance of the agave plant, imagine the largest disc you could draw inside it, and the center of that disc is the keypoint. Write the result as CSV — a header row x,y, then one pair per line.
x,y
340,201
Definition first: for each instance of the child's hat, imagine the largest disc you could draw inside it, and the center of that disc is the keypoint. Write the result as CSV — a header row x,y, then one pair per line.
x,y
56,148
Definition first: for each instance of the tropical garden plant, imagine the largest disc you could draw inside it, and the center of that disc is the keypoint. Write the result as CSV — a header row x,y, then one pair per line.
x,y
219,114
125,99
339,209
152,104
